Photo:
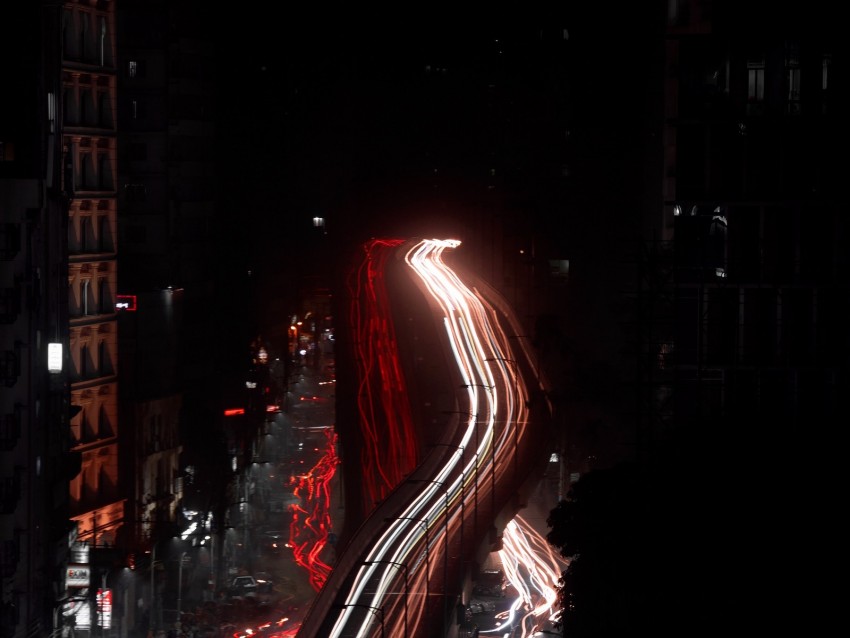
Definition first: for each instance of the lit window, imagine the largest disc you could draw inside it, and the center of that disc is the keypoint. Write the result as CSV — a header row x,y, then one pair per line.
x,y
755,80
132,68
792,78
825,72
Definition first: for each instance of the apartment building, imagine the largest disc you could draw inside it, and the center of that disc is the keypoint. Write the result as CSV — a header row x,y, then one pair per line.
x,y
90,161
747,264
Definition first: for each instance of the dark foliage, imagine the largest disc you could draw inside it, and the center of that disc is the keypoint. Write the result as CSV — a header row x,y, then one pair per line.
x,y
649,552
700,540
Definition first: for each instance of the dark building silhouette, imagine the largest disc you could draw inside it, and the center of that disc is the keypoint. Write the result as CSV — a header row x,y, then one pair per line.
x,y
744,267
36,370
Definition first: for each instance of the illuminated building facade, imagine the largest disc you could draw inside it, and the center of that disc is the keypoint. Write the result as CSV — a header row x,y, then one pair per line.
x,y
90,162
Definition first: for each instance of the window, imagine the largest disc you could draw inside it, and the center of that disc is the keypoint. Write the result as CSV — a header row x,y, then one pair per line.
x,y
102,45
85,170
102,357
86,234
85,101
66,101
824,81
84,32
104,178
66,41
103,114
103,242
84,357
103,298
136,68
135,192
792,78
85,297
755,83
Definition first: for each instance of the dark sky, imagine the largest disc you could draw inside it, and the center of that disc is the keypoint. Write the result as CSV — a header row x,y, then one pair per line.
x,y
334,115
391,127
340,115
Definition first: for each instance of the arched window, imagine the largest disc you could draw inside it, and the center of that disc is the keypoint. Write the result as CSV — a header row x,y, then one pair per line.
x,y
85,171
103,305
66,34
102,41
103,358
104,174
85,107
85,297
104,242
86,234
84,360
83,35
66,106
104,114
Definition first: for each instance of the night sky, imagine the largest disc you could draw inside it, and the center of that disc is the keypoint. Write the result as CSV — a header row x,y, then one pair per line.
x,y
391,127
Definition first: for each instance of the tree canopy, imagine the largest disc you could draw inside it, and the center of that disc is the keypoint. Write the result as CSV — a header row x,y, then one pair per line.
x,y
644,546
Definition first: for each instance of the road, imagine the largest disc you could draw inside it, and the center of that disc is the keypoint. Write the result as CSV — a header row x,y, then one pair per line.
x,y
399,575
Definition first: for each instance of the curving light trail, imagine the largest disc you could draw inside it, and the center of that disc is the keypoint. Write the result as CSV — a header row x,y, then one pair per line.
x,y
389,449
449,491
311,520
533,568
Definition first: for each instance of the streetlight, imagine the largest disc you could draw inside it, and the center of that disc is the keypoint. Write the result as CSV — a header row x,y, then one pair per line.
x,y
180,585
152,620
516,422
370,608
406,586
212,583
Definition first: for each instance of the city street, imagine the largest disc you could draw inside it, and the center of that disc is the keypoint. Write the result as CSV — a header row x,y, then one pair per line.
x,y
275,537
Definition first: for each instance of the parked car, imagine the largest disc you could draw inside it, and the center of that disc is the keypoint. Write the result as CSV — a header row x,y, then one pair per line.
x,y
249,586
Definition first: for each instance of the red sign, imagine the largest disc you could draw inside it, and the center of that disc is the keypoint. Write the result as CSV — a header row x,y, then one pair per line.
x,y
125,303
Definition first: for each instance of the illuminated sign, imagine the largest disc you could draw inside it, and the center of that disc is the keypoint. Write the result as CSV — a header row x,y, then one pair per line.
x,y
77,576
125,302
104,608
234,411
54,357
